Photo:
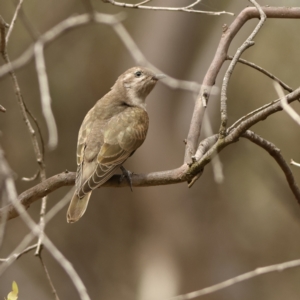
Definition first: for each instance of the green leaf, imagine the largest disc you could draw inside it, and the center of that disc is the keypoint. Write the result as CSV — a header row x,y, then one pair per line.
x,y
13,295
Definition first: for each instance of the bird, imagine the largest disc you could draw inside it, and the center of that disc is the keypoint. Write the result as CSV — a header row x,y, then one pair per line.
x,y
110,133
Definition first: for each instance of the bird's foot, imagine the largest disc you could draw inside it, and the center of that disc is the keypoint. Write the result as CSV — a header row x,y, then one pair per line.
x,y
126,174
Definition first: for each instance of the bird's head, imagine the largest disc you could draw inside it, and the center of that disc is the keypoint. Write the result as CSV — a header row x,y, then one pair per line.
x,y
137,83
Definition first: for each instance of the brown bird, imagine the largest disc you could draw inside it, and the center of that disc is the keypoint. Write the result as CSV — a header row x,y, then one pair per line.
x,y
111,132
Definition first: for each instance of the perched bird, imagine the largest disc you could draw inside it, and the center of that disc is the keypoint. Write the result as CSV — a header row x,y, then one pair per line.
x,y
111,132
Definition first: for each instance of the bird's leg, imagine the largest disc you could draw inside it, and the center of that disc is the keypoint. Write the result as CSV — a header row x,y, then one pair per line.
x,y
126,174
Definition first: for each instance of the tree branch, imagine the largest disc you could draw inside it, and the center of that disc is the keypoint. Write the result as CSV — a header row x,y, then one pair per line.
x,y
215,66
185,173
262,70
248,43
237,279
68,179
275,153
188,8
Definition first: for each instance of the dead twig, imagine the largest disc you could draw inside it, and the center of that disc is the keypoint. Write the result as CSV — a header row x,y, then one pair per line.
x,y
189,8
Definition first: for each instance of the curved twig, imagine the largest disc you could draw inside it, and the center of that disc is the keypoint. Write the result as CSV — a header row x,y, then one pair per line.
x,y
248,43
275,153
264,71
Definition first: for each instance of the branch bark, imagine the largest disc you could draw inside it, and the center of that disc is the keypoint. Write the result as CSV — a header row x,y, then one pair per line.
x,y
68,179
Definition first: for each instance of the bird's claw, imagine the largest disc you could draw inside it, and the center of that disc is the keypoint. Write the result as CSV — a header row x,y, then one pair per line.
x,y
126,174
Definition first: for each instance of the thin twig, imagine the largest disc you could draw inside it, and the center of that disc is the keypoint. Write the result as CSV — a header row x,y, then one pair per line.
x,y
233,133
54,292
19,254
81,20
259,114
248,43
4,174
243,277
262,70
45,94
60,258
294,163
140,59
286,107
188,8
141,3
34,177
33,32
21,248
2,109
38,153
275,153
12,23
11,192
36,147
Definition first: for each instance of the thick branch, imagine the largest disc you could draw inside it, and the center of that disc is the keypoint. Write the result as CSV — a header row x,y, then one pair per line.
x,y
68,178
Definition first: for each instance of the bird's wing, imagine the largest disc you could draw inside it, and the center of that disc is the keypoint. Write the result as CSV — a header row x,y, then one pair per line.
x,y
84,132
122,135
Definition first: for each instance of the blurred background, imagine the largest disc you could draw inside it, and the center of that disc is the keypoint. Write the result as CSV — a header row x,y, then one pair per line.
x,y
161,241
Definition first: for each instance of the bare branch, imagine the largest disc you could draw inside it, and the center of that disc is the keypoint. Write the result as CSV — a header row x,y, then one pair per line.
x,y
55,32
188,8
294,163
45,94
286,107
246,276
275,153
34,177
140,59
48,276
33,32
219,58
2,109
248,43
24,110
12,23
18,255
259,114
36,230
260,69
66,179
240,127
181,174
20,250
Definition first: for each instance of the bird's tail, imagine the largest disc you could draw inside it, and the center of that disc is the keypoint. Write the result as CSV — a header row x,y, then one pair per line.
x,y
77,207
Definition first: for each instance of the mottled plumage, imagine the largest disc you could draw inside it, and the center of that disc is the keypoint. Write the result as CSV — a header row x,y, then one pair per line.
x,y
111,132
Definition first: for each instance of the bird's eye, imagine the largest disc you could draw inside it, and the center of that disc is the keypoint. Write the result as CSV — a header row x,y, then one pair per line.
x,y
138,74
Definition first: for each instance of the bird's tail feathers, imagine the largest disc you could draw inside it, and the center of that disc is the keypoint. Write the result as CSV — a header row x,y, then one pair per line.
x,y
77,207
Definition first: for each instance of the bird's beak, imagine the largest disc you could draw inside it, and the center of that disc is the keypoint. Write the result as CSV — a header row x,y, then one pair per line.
x,y
159,76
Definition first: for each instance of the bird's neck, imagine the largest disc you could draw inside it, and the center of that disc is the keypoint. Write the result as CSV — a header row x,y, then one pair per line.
x,y
129,96
135,100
